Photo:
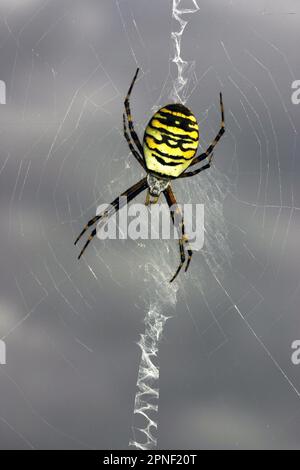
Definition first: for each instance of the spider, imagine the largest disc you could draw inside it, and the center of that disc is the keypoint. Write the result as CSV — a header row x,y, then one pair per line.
x,y
169,147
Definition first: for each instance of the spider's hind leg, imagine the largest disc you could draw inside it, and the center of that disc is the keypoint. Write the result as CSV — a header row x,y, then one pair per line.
x,y
182,260
179,224
115,206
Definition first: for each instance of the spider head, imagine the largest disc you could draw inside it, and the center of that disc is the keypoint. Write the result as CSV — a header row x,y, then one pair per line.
x,y
157,184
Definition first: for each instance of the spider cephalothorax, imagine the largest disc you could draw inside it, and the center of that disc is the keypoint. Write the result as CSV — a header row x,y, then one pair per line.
x,y
169,147
156,185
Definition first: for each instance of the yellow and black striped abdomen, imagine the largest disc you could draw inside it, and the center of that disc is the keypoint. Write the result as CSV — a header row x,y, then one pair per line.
x,y
171,140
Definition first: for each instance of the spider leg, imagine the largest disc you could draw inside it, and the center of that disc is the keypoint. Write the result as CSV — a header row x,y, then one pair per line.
x,y
182,261
210,149
132,131
116,205
172,203
133,150
90,222
88,242
195,172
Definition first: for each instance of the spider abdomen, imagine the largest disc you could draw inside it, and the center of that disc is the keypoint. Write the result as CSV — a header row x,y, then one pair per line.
x,y
171,140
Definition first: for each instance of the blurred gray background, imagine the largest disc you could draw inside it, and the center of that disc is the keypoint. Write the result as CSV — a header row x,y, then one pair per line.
x,y
227,380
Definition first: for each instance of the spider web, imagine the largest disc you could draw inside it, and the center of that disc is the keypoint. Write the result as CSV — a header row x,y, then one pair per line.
x,y
71,328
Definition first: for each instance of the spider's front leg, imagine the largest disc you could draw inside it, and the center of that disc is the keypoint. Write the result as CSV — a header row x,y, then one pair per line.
x,y
132,139
187,174
209,151
134,152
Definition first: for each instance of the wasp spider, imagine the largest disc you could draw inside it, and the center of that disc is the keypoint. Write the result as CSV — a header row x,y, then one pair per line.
x,y
169,148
